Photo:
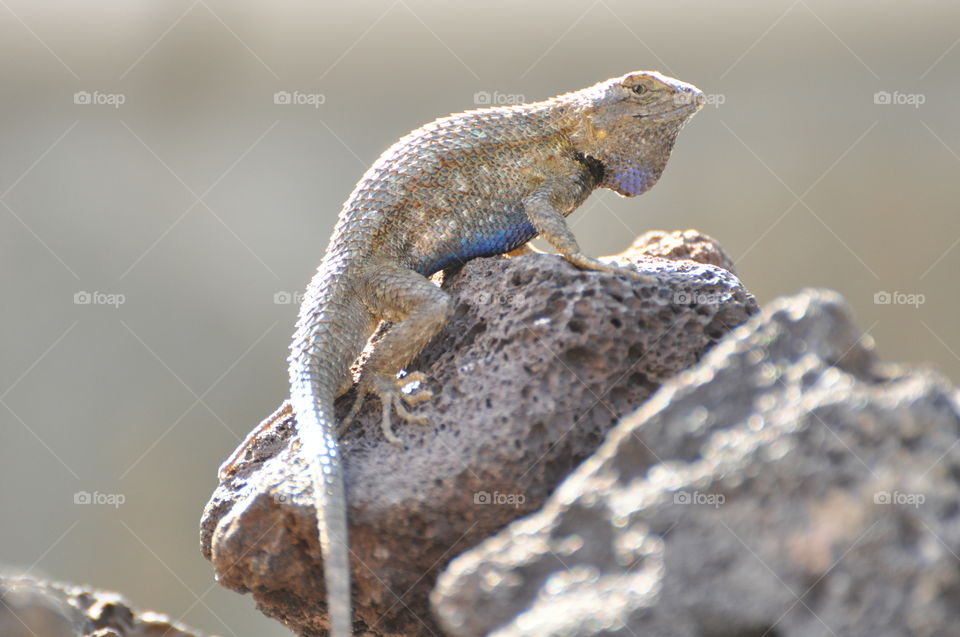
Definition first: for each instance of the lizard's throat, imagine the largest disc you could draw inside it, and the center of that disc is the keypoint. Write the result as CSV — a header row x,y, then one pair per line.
x,y
635,163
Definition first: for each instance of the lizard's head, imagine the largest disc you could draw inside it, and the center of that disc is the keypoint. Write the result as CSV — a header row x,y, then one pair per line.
x,y
629,124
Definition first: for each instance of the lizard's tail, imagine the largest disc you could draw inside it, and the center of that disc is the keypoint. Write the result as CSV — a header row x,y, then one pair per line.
x,y
320,359
316,427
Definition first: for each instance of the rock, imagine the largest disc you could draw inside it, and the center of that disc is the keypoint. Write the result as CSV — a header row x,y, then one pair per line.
x,y
686,244
33,608
788,485
538,362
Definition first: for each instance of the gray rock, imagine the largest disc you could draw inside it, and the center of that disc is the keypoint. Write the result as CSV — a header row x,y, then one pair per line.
x,y
34,608
539,361
788,485
691,245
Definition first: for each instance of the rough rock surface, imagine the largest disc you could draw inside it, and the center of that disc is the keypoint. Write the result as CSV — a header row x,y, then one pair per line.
x,y
32,608
787,486
539,361
681,244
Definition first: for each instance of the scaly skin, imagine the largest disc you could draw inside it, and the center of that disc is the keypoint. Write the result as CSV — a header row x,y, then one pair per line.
x,y
479,183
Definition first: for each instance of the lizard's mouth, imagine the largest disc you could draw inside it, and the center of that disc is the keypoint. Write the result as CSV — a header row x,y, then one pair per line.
x,y
691,107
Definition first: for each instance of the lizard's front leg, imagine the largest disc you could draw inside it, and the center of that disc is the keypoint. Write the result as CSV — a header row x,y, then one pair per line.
x,y
418,310
553,228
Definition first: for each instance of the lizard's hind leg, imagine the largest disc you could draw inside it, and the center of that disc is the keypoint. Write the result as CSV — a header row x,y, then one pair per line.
x,y
418,310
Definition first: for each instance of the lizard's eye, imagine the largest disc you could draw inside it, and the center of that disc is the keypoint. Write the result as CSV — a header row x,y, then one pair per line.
x,y
639,89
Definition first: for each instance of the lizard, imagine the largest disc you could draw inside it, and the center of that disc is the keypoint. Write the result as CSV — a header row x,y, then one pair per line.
x,y
479,183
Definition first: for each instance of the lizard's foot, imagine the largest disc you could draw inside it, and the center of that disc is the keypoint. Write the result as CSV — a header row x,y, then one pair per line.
x,y
392,397
589,263
634,274
419,395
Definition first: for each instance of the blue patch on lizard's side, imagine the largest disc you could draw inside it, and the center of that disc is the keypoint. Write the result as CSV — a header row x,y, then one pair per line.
x,y
491,242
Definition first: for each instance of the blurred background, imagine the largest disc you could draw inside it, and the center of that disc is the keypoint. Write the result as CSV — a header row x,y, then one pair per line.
x,y
170,173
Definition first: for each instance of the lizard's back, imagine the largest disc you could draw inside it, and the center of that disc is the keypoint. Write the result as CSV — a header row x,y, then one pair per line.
x,y
453,189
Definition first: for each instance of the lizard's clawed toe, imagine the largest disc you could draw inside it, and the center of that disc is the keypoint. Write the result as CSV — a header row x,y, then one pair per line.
x,y
418,395
631,272
392,398
415,398
413,377
404,413
638,276
354,408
